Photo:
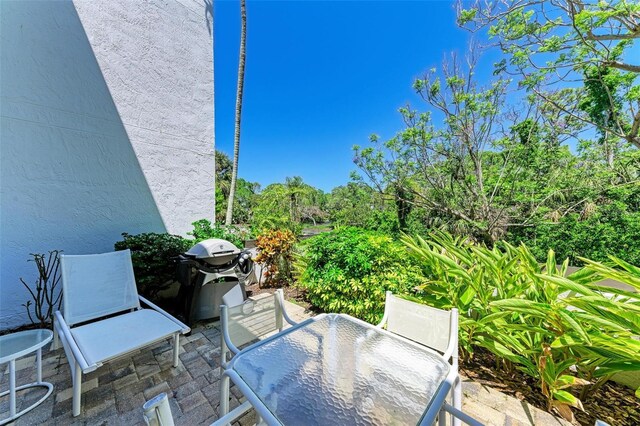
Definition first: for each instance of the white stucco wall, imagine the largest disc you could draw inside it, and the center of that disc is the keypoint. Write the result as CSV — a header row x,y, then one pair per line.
x,y
70,178
157,60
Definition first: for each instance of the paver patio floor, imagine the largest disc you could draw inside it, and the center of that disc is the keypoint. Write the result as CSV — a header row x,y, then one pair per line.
x,y
115,393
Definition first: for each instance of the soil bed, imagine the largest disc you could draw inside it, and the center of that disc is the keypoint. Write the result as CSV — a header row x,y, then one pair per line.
x,y
613,403
292,294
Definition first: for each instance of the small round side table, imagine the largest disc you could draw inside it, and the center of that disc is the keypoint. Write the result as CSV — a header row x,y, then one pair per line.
x,y
14,346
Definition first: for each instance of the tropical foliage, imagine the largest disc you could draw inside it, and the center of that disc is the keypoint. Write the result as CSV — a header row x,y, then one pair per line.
x,y
350,269
152,257
513,178
245,193
565,332
204,230
275,252
288,205
564,41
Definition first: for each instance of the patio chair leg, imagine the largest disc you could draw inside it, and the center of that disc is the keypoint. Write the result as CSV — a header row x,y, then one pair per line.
x,y
456,395
223,351
224,395
176,349
56,339
77,389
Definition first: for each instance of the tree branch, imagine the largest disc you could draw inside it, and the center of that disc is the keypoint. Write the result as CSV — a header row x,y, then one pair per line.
x,y
612,37
622,66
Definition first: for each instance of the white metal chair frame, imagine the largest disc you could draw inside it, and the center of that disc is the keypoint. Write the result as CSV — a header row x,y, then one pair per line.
x,y
450,354
157,411
76,357
228,347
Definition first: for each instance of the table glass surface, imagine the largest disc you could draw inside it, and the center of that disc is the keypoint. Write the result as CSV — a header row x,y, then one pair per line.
x,y
338,371
22,342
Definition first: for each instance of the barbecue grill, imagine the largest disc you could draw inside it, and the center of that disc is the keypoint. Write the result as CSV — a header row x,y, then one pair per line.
x,y
206,272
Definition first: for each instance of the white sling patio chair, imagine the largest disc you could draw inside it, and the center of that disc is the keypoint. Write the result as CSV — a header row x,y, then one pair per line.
x,y
102,318
157,411
434,328
242,324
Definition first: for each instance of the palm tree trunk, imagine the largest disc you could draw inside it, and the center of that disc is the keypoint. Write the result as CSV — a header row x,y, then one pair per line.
x,y
236,137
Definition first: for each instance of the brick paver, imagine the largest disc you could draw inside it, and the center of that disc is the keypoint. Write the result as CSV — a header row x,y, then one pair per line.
x,y
114,394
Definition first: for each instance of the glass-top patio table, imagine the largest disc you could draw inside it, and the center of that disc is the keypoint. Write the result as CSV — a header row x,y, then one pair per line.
x,y
335,369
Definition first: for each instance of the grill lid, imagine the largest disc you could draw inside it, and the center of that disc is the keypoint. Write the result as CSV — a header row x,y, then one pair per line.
x,y
214,247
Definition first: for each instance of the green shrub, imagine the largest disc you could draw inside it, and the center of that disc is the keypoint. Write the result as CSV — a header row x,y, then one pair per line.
x,y
204,230
349,270
383,221
151,256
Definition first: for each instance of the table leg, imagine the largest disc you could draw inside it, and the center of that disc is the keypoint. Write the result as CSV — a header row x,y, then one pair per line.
x,y
12,387
224,395
39,364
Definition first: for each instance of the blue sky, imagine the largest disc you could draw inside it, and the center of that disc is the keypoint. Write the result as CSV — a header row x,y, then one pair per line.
x,y
321,77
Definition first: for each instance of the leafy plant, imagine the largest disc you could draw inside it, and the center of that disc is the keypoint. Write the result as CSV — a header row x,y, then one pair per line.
x,y
151,255
562,331
349,270
275,251
204,230
45,297
616,316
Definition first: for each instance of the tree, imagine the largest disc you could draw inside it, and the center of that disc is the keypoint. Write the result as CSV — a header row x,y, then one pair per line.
x,y
555,43
352,204
476,172
357,204
284,205
314,206
239,92
245,193
223,172
603,104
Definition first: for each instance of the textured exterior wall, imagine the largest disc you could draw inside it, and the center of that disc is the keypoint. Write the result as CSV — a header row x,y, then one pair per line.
x,y
157,59
70,178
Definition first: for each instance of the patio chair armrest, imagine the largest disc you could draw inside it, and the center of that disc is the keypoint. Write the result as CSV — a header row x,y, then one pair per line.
x,y
439,399
280,295
460,415
69,341
224,329
382,323
184,328
385,316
